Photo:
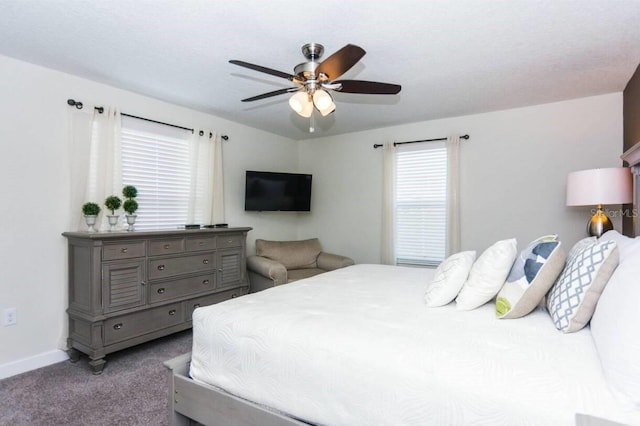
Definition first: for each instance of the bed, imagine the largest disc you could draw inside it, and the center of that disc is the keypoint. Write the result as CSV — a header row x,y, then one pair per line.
x,y
357,346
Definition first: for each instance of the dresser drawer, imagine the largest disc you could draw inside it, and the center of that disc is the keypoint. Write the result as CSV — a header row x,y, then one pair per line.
x,y
172,266
191,305
232,240
180,288
123,250
201,243
138,323
168,246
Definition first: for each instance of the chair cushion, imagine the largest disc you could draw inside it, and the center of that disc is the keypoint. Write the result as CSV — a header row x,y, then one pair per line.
x,y
292,254
298,274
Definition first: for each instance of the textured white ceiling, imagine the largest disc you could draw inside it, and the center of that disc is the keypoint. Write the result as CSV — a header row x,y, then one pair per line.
x,y
451,57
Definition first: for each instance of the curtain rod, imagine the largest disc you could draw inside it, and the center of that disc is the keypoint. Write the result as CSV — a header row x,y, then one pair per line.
x,y
378,145
79,105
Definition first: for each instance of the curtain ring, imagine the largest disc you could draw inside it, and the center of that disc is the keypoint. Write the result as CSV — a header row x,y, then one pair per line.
x,y
201,133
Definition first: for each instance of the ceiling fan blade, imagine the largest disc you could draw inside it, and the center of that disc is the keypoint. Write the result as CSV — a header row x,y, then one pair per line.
x,y
270,94
264,69
340,62
368,87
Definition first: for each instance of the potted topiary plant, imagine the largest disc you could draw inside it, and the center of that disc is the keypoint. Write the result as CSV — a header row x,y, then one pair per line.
x,y
130,205
90,211
112,203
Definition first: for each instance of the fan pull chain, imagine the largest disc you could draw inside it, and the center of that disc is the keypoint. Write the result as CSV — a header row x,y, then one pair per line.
x,y
312,123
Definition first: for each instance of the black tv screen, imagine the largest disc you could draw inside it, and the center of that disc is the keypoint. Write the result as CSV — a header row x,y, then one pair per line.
x,y
272,191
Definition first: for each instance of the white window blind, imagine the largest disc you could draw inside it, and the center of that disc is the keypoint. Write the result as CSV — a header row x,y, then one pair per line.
x,y
155,159
420,202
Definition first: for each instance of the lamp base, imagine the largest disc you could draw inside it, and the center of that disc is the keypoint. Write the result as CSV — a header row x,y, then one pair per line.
x,y
599,223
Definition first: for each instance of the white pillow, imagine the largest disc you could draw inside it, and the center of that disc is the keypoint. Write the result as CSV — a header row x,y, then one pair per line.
x,y
487,275
614,328
449,278
572,299
532,275
625,244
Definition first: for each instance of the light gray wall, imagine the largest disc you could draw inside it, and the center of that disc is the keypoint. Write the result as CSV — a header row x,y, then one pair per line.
x,y
34,164
513,172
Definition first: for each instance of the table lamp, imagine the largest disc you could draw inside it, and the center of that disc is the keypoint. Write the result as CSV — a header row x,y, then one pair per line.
x,y
599,187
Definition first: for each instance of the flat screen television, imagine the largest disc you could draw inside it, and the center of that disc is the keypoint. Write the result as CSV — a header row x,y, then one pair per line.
x,y
273,191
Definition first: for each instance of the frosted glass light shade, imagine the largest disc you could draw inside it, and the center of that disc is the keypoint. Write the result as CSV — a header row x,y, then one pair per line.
x,y
600,187
322,100
301,104
328,110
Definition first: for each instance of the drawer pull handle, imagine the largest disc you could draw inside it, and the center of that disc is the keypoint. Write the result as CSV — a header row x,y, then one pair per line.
x,y
166,246
205,261
118,326
205,282
160,267
233,296
201,243
229,241
161,290
220,270
172,312
124,250
142,283
196,306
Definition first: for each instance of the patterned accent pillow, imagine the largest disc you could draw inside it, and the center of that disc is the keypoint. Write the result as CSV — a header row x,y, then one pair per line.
x,y
579,246
449,278
487,275
574,296
532,275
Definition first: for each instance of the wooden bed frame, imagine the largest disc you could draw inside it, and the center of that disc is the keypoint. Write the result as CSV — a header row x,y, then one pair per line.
x,y
193,403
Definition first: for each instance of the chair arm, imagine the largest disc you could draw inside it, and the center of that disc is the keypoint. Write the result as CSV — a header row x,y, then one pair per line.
x,y
268,268
329,261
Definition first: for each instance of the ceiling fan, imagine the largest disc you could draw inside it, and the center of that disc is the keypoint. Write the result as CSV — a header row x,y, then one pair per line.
x,y
314,80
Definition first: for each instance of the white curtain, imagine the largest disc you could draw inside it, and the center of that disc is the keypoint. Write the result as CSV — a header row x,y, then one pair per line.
x,y
94,142
105,162
206,198
388,205
453,194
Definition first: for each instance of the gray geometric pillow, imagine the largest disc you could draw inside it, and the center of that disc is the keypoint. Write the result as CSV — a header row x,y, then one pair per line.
x,y
573,298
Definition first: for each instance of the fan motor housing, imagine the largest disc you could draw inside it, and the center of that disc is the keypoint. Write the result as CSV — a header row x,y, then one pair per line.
x,y
306,70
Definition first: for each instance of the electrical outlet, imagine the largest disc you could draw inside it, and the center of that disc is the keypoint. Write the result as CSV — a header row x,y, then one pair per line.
x,y
9,317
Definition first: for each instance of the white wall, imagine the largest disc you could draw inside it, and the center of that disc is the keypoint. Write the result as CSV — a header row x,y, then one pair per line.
x,y
34,163
513,172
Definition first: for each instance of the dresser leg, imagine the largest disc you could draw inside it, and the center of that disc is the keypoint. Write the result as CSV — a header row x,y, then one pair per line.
x,y
97,365
74,355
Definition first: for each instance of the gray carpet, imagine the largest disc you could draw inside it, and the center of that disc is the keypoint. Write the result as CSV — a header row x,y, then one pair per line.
x,y
132,390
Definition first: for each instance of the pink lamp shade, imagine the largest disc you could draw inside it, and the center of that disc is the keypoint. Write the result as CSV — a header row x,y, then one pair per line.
x,y
600,187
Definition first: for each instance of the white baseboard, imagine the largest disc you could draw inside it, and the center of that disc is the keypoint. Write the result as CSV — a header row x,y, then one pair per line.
x,y
27,364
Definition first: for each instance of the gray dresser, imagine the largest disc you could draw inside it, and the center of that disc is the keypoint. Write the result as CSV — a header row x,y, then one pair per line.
x,y
126,288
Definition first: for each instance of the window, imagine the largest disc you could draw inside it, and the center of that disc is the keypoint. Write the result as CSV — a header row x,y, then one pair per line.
x,y
421,203
155,159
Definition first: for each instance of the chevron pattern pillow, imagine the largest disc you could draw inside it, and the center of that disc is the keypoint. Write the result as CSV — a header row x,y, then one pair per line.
x,y
573,298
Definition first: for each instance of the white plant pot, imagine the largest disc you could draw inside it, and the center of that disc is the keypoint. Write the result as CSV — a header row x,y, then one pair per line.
x,y
90,220
131,219
113,221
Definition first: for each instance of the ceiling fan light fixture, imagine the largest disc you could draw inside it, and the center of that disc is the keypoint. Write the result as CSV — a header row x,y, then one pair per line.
x,y
328,110
322,100
301,104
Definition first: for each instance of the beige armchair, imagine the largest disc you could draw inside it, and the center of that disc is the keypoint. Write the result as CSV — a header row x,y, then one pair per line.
x,y
281,262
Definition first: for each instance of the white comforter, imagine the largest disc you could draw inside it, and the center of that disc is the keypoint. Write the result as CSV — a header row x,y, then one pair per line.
x,y
357,346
